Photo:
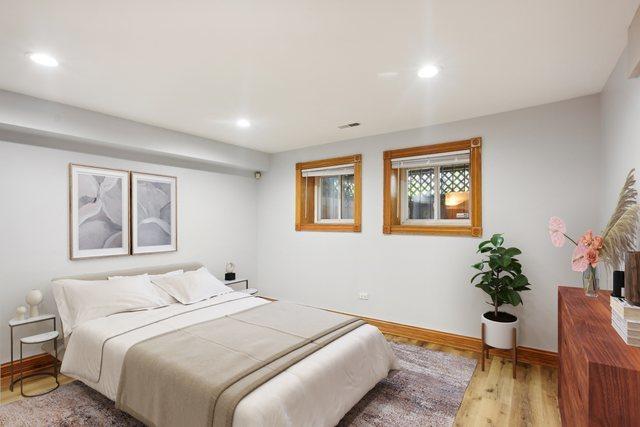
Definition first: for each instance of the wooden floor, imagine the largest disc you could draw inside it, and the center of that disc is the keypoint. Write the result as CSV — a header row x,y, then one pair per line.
x,y
493,397
31,386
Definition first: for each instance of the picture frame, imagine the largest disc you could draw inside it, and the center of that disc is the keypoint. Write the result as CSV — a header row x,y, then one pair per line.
x,y
154,225
99,209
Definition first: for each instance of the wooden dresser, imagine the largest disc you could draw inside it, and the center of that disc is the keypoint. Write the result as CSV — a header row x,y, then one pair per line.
x,y
599,375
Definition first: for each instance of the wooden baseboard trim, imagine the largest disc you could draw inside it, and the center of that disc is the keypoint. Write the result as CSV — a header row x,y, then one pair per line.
x,y
529,355
30,365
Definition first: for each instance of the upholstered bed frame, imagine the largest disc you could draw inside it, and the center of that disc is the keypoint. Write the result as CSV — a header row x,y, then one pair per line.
x,y
135,271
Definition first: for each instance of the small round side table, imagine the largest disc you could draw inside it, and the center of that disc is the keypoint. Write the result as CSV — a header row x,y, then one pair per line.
x,y
34,339
40,339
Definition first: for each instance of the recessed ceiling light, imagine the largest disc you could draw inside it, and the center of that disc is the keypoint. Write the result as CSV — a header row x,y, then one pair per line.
x,y
43,59
428,71
243,123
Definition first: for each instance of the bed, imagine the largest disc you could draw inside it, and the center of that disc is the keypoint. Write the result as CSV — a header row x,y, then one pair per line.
x,y
318,390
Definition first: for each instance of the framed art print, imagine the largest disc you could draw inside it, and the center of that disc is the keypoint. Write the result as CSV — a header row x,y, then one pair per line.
x,y
153,213
99,212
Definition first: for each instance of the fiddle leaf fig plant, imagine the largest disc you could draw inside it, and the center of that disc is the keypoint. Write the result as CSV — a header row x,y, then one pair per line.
x,y
500,274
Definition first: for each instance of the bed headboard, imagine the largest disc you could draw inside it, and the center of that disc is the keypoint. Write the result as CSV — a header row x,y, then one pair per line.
x,y
133,271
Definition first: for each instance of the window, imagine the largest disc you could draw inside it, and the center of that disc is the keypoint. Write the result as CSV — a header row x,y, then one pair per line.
x,y
435,189
334,198
328,194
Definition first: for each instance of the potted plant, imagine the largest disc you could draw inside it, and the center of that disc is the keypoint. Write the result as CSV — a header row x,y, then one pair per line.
x,y
501,278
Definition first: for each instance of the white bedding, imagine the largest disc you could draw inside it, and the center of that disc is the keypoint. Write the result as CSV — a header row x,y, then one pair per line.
x,y
317,391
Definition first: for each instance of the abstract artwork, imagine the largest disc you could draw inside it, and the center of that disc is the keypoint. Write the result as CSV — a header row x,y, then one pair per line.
x,y
153,216
99,217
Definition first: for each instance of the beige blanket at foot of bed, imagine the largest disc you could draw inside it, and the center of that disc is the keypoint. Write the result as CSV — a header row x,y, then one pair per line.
x,y
197,375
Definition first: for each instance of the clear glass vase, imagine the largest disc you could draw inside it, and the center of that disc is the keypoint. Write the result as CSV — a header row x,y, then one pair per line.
x,y
591,282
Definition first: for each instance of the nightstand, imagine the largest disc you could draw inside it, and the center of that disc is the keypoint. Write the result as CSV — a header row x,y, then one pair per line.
x,y
34,339
234,281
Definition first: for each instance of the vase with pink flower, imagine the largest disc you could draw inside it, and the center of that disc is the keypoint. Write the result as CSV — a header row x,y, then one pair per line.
x,y
586,254
618,237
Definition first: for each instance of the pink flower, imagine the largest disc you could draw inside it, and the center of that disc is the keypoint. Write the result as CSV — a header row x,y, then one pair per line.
x,y
557,228
579,260
597,243
587,239
592,257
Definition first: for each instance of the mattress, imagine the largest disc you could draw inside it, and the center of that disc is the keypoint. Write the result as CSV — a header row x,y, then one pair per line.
x,y
316,391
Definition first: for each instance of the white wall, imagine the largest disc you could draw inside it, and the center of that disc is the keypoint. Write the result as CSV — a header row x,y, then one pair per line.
x,y
620,102
216,223
537,162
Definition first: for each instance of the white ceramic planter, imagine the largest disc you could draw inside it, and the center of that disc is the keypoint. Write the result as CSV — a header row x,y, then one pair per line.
x,y
499,334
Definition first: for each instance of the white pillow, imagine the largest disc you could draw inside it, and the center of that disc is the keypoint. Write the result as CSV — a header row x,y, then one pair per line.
x,y
192,286
82,300
57,287
165,296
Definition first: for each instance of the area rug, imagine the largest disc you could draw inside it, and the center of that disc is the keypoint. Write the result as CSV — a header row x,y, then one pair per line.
x,y
426,391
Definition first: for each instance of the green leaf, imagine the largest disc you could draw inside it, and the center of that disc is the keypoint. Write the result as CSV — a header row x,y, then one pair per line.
x,y
520,281
483,244
515,267
485,288
478,265
476,275
485,249
513,252
497,239
514,298
505,261
503,295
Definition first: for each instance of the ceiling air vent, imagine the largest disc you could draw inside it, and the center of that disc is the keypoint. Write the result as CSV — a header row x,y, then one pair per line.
x,y
349,125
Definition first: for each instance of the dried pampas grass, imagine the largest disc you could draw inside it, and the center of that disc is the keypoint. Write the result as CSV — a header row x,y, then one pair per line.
x,y
621,231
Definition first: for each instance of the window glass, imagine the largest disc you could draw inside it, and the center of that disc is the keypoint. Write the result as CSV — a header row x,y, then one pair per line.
x,y
330,197
421,193
348,193
454,192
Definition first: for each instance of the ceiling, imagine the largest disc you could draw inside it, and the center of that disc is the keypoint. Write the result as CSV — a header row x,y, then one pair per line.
x,y
297,69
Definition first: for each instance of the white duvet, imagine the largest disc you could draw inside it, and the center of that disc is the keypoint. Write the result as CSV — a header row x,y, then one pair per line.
x,y
317,391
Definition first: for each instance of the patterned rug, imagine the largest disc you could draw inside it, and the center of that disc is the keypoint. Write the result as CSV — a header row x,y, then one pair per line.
x,y
426,391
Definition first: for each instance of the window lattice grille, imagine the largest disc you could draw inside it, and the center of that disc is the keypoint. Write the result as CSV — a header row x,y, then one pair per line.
x,y
454,178
420,182
349,186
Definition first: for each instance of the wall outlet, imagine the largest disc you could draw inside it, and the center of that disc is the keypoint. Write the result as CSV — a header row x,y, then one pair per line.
x,y
363,295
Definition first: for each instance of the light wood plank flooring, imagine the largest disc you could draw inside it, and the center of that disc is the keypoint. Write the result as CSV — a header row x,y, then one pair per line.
x,y
31,386
493,397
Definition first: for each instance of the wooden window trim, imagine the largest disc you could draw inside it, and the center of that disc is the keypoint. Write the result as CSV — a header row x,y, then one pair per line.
x,y
391,218
309,223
